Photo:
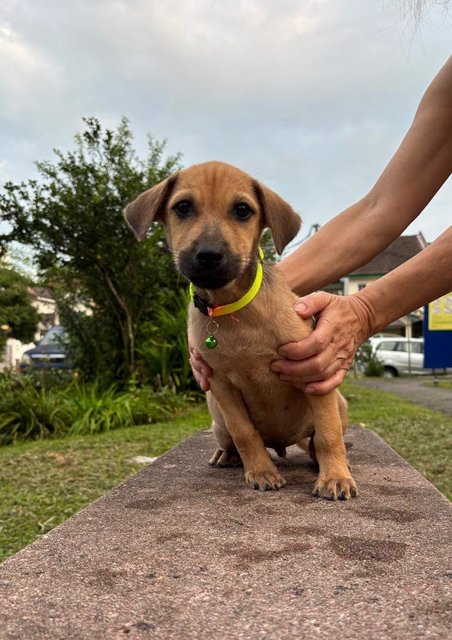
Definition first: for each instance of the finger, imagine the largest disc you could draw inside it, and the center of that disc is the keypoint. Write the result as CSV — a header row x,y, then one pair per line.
x,y
204,384
319,388
202,380
319,365
195,354
313,303
200,366
315,343
315,369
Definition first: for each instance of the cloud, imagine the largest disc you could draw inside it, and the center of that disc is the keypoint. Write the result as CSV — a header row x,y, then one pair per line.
x,y
310,96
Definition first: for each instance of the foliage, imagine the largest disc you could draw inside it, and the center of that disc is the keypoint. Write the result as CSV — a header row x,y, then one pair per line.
x,y
17,315
164,347
107,285
368,362
268,247
33,411
27,411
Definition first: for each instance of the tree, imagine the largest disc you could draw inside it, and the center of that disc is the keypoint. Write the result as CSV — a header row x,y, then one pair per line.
x,y
18,317
107,285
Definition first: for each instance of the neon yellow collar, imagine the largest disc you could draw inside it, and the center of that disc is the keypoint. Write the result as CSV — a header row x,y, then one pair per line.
x,y
225,309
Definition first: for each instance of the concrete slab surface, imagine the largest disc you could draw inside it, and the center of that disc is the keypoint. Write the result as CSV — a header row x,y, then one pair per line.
x,y
183,550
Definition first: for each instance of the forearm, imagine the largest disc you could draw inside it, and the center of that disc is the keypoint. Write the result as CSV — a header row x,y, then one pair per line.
x,y
420,166
418,281
362,231
337,248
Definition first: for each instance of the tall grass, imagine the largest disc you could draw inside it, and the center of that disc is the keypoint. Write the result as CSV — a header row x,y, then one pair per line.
x,y
165,351
31,411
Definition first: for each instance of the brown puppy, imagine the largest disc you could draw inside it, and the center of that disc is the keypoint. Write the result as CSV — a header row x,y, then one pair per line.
x,y
214,216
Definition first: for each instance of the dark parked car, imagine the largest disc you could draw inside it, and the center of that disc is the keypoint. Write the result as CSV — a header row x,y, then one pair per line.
x,y
51,352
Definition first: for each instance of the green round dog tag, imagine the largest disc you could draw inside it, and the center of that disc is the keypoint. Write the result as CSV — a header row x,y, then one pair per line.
x,y
211,342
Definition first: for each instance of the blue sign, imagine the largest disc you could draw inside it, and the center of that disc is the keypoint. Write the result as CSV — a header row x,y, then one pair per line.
x,y
438,334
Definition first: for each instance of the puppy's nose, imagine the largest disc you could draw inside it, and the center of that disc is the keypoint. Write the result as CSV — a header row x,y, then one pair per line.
x,y
209,257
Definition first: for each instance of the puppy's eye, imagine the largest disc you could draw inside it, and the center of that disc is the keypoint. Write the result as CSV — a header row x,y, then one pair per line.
x,y
183,208
242,211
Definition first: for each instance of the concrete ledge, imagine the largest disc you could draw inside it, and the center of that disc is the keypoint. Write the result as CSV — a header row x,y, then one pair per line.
x,y
185,551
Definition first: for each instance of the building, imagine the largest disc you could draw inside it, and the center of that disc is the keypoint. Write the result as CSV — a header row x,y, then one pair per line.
x,y
44,302
398,252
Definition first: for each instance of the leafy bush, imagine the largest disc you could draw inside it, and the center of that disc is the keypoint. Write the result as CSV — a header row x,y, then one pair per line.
x,y
96,411
368,362
163,351
70,217
27,411
18,317
33,407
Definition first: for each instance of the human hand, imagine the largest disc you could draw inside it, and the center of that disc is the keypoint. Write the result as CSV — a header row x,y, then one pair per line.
x,y
201,369
319,363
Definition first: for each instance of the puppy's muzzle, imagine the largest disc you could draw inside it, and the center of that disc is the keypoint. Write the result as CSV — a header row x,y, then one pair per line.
x,y
209,266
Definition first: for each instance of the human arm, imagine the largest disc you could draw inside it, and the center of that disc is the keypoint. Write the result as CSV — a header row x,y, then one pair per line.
x,y
422,163
415,173
319,363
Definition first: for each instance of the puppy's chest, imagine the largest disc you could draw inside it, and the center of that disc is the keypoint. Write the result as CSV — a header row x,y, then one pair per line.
x,y
243,355
247,341
279,411
238,347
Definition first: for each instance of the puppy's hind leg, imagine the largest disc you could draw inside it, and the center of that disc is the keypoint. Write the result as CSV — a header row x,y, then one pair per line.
x,y
307,444
226,455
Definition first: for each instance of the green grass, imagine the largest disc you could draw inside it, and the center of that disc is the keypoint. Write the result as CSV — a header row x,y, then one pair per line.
x,y
441,384
43,483
421,436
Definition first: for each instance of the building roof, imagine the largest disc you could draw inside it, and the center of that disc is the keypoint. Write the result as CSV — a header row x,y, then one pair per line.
x,y
41,292
402,249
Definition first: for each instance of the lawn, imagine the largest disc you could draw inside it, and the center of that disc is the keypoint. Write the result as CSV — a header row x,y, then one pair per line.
x,y
43,483
421,436
441,384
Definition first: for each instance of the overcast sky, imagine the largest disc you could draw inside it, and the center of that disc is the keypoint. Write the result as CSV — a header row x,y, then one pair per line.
x,y
310,97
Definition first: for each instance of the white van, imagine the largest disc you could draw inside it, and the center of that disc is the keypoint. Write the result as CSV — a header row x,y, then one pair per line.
x,y
400,356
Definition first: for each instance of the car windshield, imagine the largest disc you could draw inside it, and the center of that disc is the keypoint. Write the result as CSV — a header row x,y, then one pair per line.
x,y
55,335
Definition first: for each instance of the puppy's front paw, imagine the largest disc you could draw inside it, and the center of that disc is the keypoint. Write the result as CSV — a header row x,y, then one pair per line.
x,y
335,488
265,479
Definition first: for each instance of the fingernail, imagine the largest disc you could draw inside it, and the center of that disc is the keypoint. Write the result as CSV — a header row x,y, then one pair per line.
x,y
276,368
285,378
300,306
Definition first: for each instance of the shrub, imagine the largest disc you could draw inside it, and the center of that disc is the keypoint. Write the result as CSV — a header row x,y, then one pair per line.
x,y
163,353
27,411
368,362
33,407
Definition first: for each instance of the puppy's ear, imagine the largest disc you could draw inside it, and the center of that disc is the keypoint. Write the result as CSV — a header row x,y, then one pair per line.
x,y
148,207
278,216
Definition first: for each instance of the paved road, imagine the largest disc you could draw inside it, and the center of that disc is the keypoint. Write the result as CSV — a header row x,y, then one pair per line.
x,y
414,389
